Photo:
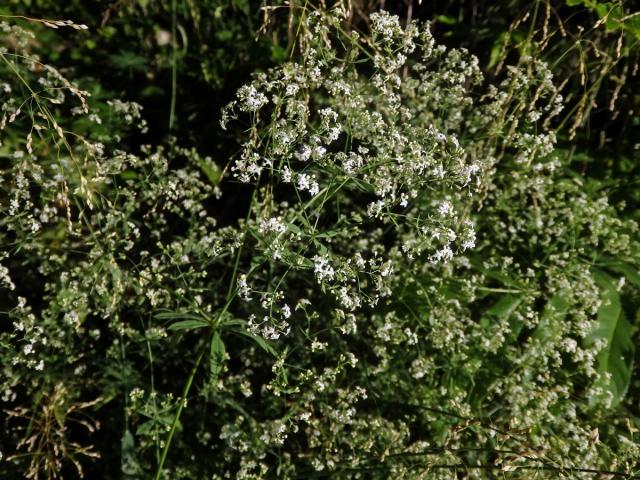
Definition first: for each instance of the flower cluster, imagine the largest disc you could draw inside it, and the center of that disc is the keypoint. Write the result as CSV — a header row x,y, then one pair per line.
x,y
398,271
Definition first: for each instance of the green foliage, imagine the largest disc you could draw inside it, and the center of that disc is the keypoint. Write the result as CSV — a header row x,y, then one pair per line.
x,y
379,260
615,360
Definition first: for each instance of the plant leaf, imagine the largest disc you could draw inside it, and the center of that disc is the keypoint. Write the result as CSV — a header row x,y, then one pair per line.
x,y
216,358
554,311
503,310
211,170
630,272
190,322
262,343
497,49
188,325
174,315
446,19
615,360
505,306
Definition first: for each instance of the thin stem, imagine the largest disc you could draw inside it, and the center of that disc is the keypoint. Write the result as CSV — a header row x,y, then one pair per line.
x,y
231,293
174,68
156,436
183,398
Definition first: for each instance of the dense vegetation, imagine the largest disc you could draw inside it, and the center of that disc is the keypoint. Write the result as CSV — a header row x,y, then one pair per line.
x,y
317,239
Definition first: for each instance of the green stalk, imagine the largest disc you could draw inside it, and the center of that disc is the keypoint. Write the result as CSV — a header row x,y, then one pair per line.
x,y
231,293
183,398
174,67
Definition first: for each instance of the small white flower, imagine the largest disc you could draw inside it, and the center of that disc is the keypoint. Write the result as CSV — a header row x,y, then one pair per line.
x,y
286,175
314,189
291,89
251,98
445,209
305,153
323,269
303,181
443,255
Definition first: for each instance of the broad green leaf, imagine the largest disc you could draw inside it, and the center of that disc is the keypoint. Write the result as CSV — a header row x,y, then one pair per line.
x,y
216,358
611,13
188,325
615,360
225,35
630,273
146,427
505,306
322,249
293,228
129,464
632,25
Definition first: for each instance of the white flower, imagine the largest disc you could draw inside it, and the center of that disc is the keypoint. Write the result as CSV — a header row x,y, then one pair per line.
x,y
469,243
334,133
291,89
320,151
322,268
445,209
443,255
251,99
314,188
286,175
243,288
305,153
271,225
303,181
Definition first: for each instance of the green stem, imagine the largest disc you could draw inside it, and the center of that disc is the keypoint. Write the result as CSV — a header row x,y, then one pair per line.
x,y
183,399
231,293
174,68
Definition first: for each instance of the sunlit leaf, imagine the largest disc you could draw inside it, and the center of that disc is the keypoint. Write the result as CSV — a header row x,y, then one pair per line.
x,y
615,360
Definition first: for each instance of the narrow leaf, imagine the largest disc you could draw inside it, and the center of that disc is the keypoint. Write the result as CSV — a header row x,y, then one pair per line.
x,y
188,325
261,342
216,358
174,315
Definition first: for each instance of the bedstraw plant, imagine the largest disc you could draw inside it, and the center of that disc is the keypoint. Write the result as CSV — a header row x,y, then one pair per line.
x,y
396,275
